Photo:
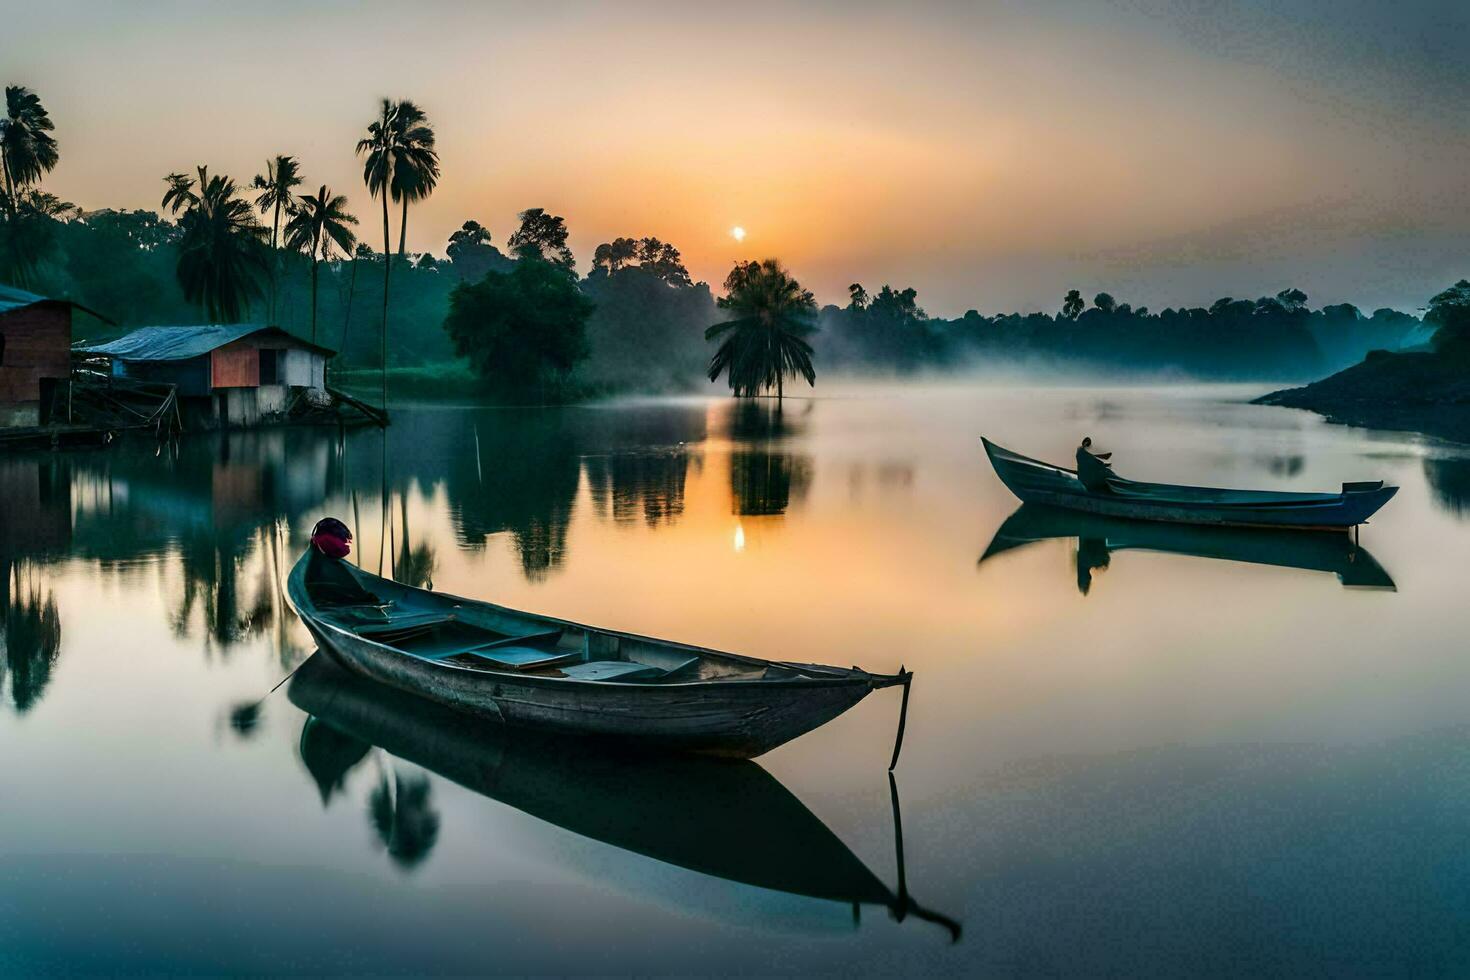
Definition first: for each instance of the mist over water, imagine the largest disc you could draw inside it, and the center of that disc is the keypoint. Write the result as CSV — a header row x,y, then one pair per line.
x,y
1236,753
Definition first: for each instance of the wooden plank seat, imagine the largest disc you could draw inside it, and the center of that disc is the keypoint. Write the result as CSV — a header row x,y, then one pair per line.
x,y
401,627
623,670
528,652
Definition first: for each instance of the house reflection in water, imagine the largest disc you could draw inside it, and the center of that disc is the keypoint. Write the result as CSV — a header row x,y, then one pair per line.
x,y
220,505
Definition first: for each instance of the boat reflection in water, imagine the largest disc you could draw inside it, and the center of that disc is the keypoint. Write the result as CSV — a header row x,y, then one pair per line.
x,y
1099,537
729,819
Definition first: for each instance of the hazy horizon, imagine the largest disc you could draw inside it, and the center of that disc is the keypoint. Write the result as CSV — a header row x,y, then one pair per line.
x,y
992,158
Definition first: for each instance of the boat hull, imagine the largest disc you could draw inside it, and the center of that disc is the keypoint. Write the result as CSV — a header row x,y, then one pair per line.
x,y
1034,482
733,719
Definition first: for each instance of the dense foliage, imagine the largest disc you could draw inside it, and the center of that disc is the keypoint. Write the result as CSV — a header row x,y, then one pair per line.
x,y
523,331
1449,314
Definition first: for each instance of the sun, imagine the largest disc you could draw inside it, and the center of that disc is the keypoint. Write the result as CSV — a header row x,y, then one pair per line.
x,y
737,233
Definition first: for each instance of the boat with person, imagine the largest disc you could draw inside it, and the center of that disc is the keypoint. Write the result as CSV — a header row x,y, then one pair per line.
x,y
730,819
536,671
1036,482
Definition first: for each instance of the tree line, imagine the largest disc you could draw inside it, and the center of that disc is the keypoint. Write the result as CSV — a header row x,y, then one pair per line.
x,y
531,328
1232,339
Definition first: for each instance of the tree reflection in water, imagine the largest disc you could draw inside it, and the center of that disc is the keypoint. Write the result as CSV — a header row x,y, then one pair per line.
x,y
625,485
32,634
522,477
1449,483
403,816
35,528
413,564
760,418
212,565
764,479
762,483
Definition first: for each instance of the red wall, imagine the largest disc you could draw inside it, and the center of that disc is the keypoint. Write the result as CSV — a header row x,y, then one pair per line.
x,y
37,345
235,366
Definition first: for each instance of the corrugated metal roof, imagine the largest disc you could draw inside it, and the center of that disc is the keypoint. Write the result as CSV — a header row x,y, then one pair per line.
x,y
15,299
18,299
182,343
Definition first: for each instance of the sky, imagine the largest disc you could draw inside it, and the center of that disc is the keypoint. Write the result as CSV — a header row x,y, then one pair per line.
x,y
991,155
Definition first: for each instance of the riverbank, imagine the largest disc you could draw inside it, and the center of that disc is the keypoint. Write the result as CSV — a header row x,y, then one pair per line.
x,y
1417,391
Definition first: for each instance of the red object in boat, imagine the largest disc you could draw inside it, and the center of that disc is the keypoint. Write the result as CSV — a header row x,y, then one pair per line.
x,y
332,538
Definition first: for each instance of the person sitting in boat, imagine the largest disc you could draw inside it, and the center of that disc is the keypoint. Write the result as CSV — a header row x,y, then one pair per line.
x,y
1093,469
326,580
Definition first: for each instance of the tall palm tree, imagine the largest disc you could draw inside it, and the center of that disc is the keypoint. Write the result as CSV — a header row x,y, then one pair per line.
x,y
765,340
415,162
399,162
221,246
320,223
277,188
27,148
377,148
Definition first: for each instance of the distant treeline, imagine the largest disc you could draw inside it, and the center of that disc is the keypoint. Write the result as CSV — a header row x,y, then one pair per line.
x,y
647,330
1235,339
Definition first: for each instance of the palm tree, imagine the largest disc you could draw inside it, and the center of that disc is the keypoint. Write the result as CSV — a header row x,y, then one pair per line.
x,y
277,188
401,163
415,162
27,148
221,255
766,338
180,194
320,222
377,173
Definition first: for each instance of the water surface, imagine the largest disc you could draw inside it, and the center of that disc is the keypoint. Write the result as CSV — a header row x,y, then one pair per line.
x,y
1173,753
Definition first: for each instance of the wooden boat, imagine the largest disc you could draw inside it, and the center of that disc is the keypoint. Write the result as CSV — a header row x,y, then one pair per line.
x,y
1035,482
1099,537
729,819
537,672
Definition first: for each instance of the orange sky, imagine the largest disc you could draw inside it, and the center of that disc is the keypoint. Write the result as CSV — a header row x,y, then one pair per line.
x,y
991,156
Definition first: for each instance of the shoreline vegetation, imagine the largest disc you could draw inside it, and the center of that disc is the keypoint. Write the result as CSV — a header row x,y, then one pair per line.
x,y
525,325
1423,390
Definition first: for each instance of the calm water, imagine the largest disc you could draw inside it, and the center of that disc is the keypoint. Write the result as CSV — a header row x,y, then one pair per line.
x,y
1198,764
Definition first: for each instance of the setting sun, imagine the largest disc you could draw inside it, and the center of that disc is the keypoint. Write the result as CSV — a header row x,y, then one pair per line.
x,y
737,233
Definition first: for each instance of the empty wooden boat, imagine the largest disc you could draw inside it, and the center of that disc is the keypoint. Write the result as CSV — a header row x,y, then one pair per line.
x,y
1035,482
538,672
1099,537
729,819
